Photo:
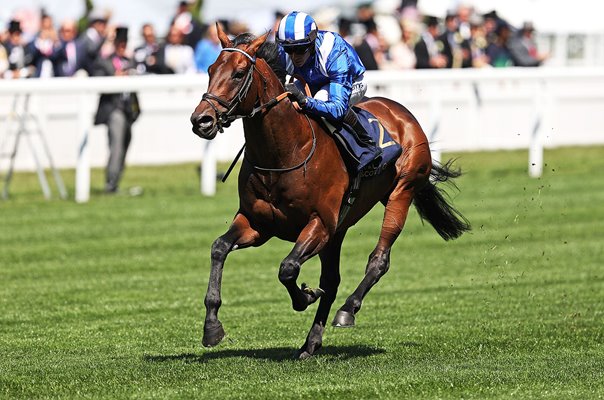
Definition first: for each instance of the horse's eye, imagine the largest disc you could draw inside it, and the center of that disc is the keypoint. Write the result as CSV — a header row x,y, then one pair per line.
x,y
238,75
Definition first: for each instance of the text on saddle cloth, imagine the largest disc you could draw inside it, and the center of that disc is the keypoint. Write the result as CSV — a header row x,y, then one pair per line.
x,y
356,155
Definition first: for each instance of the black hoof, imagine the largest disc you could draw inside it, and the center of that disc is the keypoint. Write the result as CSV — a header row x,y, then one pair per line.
x,y
303,355
343,319
305,352
212,335
314,294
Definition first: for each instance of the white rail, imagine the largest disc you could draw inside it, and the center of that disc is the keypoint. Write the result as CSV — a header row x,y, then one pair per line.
x,y
472,109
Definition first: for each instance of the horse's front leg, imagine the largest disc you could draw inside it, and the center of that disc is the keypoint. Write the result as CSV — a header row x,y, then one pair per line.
x,y
239,235
311,241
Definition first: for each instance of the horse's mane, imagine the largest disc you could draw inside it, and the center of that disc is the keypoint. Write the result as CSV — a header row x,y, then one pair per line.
x,y
269,52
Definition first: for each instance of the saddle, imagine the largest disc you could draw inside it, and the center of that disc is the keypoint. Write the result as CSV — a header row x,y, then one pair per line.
x,y
357,158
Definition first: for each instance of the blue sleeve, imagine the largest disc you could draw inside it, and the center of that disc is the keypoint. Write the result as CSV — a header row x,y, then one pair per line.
x,y
340,87
335,107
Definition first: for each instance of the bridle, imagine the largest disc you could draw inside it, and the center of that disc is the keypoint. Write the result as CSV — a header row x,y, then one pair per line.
x,y
225,118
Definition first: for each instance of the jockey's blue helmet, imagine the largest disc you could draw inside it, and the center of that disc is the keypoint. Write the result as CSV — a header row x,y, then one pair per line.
x,y
297,29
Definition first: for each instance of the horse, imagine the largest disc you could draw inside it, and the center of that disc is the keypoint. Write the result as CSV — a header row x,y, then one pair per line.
x,y
293,180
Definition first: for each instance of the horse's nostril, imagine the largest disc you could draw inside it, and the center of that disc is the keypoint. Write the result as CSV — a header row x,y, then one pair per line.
x,y
205,121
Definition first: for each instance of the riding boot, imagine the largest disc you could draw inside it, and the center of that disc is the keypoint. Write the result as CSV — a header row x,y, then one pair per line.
x,y
352,119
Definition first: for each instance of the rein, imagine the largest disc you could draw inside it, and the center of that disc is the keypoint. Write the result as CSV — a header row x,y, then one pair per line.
x,y
303,163
225,118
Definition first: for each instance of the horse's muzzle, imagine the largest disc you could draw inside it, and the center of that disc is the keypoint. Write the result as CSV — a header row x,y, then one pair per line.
x,y
204,125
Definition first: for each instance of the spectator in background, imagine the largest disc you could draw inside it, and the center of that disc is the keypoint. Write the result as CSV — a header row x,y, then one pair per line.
x,y
278,17
118,111
427,51
365,16
359,43
464,14
190,27
208,49
173,56
454,46
3,61
70,55
498,51
19,61
144,55
523,48
490,25
376,41
408,4
402,55
237,28
42,48
478,42
93,39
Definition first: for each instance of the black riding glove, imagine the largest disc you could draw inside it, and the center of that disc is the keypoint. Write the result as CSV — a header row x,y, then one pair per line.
x,y
296,94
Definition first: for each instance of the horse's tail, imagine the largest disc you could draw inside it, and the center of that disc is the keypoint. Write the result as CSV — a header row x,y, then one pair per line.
x,y
432,206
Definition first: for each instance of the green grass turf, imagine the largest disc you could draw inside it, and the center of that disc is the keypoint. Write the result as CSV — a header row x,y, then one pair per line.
x,y
105,299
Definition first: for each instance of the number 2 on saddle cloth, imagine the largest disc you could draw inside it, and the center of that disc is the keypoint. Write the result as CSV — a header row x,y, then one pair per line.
x,y
355,154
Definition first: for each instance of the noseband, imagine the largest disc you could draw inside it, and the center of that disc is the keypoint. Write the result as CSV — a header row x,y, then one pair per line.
x,y
225,117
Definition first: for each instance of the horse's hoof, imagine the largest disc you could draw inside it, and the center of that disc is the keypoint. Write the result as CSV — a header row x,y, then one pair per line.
x,y
314,293
212,335
343,319
305,352
303,355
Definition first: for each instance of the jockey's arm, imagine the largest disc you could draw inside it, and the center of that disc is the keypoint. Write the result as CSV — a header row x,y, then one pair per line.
x,y
339,91
335,107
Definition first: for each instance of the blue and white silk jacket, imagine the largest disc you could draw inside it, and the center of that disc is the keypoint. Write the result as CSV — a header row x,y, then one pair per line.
x,y
335,63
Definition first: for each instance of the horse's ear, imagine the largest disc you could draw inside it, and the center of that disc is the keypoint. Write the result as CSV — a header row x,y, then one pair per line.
x,y
224,39
253,47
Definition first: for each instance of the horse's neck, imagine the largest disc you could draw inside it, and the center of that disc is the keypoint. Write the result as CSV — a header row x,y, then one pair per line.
x,y
274,138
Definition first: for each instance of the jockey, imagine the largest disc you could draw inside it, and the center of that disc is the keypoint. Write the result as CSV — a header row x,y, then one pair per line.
x,y
331,68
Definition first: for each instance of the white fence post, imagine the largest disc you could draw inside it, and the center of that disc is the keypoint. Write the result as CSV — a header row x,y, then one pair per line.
x,y
208,169
82,183
535,167
435,114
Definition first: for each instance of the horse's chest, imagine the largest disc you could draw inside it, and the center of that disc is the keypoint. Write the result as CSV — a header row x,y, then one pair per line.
x,y
275,205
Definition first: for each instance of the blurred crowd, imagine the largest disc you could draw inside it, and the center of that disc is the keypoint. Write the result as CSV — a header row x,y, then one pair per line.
x,y
403,39
463,38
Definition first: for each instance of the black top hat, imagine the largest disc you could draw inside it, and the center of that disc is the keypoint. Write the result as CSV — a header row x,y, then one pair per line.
x,y
491,15
121,34
430,20
14,26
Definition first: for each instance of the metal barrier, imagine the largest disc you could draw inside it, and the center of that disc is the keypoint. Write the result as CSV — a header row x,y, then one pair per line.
x,y
460,110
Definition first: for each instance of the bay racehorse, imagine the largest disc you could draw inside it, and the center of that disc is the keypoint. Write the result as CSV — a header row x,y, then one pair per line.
x,y
293,180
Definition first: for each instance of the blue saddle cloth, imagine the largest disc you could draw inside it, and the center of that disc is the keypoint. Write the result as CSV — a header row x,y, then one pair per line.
x,y
356,155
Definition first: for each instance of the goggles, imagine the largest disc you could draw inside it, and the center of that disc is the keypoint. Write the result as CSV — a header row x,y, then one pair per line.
x,y
298,50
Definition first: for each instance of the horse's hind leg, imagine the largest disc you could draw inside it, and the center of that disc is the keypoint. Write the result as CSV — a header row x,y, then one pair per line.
x,y
239,235
310,242
330,280
379,260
